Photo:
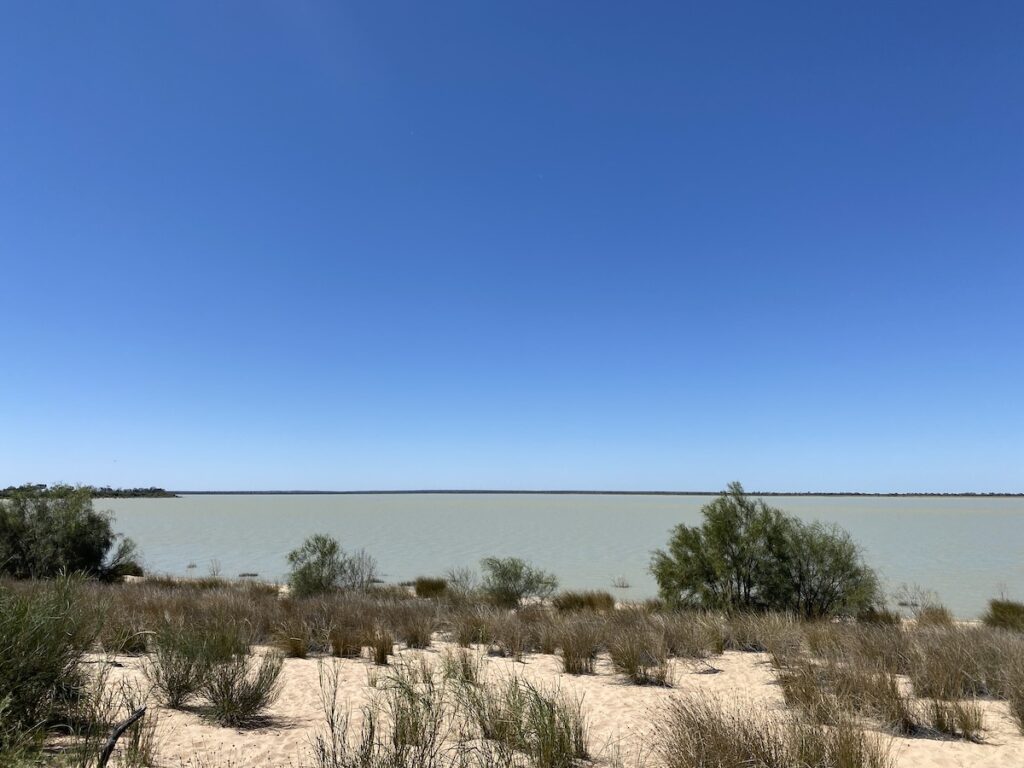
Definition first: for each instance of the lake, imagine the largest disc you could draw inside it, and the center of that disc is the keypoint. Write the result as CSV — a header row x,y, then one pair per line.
x,y
965,549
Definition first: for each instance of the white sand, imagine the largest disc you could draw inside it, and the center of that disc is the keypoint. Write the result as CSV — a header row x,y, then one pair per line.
x,y
619,714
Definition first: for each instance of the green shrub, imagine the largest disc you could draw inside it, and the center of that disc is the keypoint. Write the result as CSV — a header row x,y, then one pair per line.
x,y
239,689
519,717
508,581
47,533
1005,614
320,565
44,632
175,667
185,651
593,600
430,587
747,556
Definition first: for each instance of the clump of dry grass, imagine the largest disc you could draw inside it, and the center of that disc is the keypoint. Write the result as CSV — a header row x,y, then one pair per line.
x,y
346,640
590,600
1014,694
467,625
944,663
692,635
382,644
462,666
958,719
760,632
506,634
705,734
293,637
640,655
933,615
413,623
579,640
542,628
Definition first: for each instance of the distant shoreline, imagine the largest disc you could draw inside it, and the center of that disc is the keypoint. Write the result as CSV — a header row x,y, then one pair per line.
x,y
923,494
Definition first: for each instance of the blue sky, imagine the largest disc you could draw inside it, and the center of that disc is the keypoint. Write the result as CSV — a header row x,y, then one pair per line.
x,y
519,245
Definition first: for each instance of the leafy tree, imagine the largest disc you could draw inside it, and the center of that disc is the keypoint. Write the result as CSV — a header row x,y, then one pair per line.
x,y
748,556
509,580
44,533
825,572
321,565
729,561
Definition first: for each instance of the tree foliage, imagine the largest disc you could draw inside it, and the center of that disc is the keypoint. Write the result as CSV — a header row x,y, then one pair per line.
x,y
44,533
320,565
748,556
509,580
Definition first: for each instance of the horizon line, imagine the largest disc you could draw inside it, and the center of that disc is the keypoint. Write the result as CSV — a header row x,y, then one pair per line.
x,y
578,492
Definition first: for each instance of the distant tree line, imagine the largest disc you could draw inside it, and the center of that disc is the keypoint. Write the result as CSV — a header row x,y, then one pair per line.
x,y
94,491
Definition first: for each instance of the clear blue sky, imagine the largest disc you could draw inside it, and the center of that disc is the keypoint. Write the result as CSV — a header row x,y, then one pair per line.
x,y
518,245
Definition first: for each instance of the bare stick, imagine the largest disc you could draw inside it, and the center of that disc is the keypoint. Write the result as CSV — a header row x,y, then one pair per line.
x,y
116,734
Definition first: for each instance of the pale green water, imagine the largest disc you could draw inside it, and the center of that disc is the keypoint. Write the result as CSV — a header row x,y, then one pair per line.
x,y
966,549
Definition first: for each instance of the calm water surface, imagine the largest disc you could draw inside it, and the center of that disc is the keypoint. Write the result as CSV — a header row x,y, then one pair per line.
x,y
966,549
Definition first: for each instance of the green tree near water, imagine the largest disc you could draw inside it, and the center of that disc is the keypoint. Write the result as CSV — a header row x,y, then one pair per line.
x,y
44,533
320,565
509,580
748,556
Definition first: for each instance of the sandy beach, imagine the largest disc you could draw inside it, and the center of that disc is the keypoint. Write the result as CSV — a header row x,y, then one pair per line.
x,y
621,717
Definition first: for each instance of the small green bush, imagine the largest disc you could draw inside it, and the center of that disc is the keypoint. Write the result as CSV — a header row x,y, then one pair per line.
x,y
545,726
320,565
175,668
240,689
184,653
1005,614
508,581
